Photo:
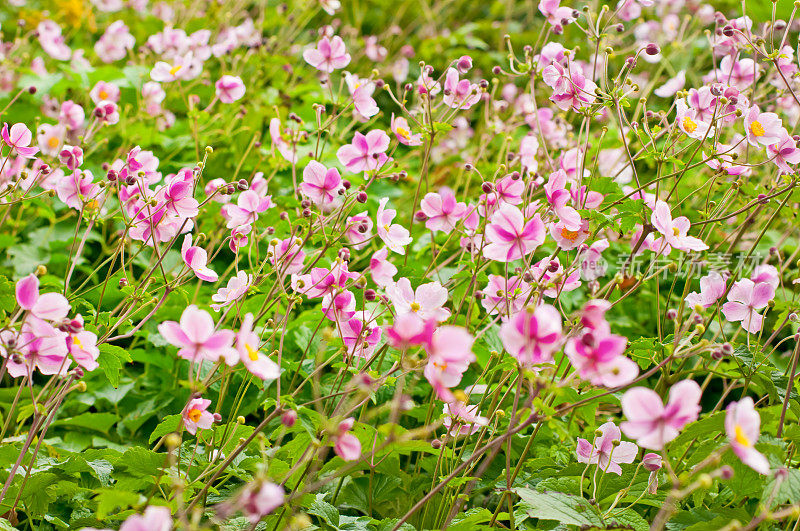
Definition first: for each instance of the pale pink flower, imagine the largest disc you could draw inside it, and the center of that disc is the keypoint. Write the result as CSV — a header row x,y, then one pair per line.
x,y
254,360
197,339
690,122
597,357
82,345
115,43
402,131
712,287
381,269
71,115
196,415
50,138
532,335
461,419
676,230
359,230
71,156
155,518
745,298
19,139
283,141
196,259
329,55
77,189
427,301
235,289
229,89
608,450
49,306
339,306
784,152
287,255
504,296
459,93
671,86
395,236
743,426
107,112
103,91
510,237
260,499
247,208
409,330
762,128
651,422
345,444
449,356
443,210
366,152
322,186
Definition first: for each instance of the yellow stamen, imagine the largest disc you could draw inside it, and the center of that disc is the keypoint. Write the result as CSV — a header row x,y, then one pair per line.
x,y
53,142
756,128
403,132
676,231
174,69
570,235
77,342
194,415
104,95
251,353
415,306
741,438
689,125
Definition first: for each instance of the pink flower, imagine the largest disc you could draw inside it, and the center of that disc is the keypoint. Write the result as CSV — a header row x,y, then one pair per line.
x,y
712,287
527,153
442,210
510,237
742,426
554,12
197,259
359,230
229,89
366,153
235,289
459,93
671,86
197,339
48,306
766,274
283,141
426,302
339,306
103,91
745,298
784,152
461,419
604,453
449,356
402,131
329,55
381,269
597,357
52,41
395,236
155,518
260,499
762,128
345,444
675,231
41,347
247,208
321,281
107,112
50,138
361,90
196,415
654,424
504,296
239,237
77,189
690,122
82,345
532,335
71,115
254,360
360,335
569,239
287,255
19,139
71,157
322,186
115,43
409,330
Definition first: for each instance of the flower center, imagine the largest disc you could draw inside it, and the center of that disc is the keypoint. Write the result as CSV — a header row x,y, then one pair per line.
x,y
569,234
52,142
689,125
174,69
415,306
77,342
403,132
103,95
756,128
676,231
194,415
741,438
251,353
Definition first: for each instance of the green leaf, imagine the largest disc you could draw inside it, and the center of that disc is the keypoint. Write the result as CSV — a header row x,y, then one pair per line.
x,y
111,360
326,511
564,508
168,425
101,422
